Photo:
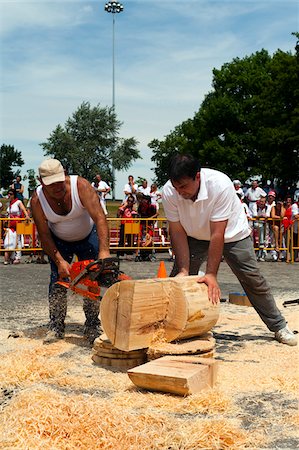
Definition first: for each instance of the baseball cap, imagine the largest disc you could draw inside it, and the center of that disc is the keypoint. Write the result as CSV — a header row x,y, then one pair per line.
x,y
51,171
272,193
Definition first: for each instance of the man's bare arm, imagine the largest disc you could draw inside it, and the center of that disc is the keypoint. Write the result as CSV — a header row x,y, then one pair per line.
x,y
214,258
90,201
180,247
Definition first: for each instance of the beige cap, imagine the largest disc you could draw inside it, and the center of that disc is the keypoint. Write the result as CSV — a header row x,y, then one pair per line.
x,y
51,171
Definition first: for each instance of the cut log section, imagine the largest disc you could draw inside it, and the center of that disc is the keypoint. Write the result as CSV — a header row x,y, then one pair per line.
x,y
117,363
182,375
106,354
135,312
203,346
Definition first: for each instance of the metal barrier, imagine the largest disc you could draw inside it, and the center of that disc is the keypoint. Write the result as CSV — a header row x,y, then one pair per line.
x,y
152,235
125,234
270,235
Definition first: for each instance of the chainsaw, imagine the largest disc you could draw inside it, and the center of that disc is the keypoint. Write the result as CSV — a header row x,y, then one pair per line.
x,y
88,276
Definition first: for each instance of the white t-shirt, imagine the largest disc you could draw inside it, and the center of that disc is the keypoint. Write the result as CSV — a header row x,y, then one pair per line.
x,y
102,185
295,211
144,191
216,201
255,194
128,188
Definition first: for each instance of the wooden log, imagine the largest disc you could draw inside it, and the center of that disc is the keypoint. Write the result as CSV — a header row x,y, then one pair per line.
x,y
182,375
117,363
134,313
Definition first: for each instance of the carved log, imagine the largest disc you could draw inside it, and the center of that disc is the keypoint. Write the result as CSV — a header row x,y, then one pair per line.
x,y
134,313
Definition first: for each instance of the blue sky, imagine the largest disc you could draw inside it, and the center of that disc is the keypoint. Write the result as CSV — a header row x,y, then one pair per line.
x,y
57,54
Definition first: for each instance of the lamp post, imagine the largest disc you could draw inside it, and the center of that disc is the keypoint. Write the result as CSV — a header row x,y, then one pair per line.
x,y
114,8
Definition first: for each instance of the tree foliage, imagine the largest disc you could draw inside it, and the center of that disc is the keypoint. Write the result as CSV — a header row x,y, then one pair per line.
x,y
89,141
9,158
247,125
32,181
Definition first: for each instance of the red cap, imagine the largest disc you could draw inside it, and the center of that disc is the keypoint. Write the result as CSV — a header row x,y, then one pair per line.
x,y
272,193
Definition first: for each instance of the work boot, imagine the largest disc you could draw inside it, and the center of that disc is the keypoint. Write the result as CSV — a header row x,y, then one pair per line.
x,y
53,336
286,336
91,332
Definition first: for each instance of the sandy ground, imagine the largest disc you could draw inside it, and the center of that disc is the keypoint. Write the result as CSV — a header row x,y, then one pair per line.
x,y
253,405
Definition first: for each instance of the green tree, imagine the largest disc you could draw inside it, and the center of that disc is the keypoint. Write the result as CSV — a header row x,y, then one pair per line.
x,y
247,125
89,141
32,181
9,158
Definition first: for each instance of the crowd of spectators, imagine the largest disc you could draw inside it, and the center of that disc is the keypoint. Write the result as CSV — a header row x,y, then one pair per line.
x,y
271,213
271,217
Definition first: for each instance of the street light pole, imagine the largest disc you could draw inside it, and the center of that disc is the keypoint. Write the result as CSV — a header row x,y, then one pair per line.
x,y
114,8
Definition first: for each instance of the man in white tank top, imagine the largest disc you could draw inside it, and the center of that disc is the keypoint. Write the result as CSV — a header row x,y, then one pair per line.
x,y
70,221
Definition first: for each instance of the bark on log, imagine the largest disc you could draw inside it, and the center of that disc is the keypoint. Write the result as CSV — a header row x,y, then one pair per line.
x,y
134,313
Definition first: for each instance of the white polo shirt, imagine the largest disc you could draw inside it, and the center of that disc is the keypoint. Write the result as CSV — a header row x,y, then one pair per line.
x,y
216,201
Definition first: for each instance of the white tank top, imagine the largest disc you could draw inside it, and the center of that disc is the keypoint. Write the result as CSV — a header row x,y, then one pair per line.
x,y
76,225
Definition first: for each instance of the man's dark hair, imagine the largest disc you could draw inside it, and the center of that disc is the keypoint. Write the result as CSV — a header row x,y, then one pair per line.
x,y
182,166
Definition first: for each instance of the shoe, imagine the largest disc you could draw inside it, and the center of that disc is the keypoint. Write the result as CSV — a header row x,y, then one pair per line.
x,y
286,336
6,263
53,336
91,332
16,261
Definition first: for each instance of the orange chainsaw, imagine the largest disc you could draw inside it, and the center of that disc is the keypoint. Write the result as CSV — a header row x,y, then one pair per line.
x,y
87,277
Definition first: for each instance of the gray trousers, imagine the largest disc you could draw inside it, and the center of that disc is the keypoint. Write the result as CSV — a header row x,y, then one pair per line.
x,y
241,259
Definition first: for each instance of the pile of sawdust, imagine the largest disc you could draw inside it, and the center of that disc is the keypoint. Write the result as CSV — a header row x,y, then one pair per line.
x,y
54,397
44,418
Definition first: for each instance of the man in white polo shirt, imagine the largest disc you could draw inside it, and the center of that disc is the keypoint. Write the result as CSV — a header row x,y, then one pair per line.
x,y
206,221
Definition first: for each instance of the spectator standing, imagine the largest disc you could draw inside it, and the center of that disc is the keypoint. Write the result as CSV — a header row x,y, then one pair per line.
x,y
70,221
295,218
130,188
102,189
263,212
15,209
277,214
238,188
126,211
253,194
205,222
144,188
18,187
155,196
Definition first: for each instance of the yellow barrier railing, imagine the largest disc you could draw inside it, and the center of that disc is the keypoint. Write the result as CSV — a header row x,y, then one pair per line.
x,y
271,235
125,234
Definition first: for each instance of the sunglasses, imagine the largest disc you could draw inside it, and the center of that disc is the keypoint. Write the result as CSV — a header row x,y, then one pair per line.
x,y
10,193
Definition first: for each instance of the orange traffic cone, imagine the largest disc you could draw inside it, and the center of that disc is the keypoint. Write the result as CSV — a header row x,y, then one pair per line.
x,y
162,270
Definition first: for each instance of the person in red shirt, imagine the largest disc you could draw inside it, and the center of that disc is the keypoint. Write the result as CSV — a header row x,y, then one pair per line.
x,y
126,211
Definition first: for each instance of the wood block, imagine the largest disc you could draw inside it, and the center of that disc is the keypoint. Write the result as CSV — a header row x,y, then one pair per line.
x,y
117,362
239,298
182,375
134,312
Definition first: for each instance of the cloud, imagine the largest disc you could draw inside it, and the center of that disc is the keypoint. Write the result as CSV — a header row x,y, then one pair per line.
x,y
57,54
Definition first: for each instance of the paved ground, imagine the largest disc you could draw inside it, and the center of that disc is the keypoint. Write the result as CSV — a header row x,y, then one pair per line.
x,y
254,404
23,299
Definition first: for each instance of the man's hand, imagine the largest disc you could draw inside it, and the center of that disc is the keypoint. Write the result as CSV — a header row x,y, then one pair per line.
x,y
214,292
104,255
63,268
